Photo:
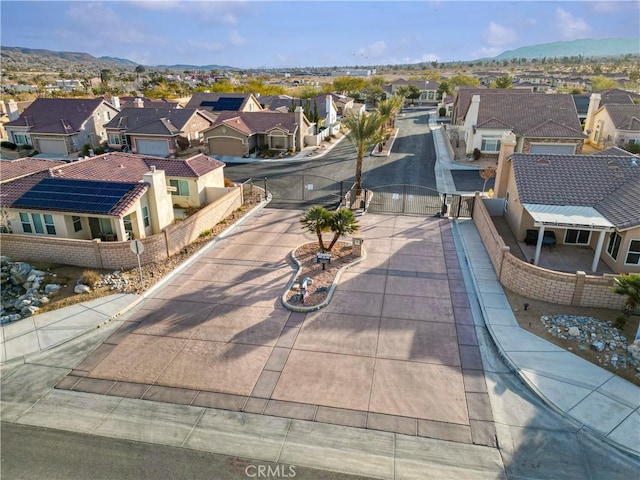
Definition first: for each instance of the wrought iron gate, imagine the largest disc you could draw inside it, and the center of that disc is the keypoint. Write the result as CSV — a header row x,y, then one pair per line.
x,y
407,199
300,191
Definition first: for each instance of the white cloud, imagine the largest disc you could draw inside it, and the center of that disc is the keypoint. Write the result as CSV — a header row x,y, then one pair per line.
x,y
604,6
497,35
571,27
236,39
373,50
486,52
205,13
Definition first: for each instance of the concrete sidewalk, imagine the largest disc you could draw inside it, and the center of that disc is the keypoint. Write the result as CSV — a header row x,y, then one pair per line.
x,y
596,398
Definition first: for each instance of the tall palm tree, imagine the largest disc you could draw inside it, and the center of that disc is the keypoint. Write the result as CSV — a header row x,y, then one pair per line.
x,y
317,220
389,108
364,131
343,222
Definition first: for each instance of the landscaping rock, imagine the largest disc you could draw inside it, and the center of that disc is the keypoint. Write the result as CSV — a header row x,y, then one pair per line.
x,y
50,288
20,272
82,289
598,345
574,331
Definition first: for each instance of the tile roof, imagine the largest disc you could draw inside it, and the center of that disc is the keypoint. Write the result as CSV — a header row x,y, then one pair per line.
x,y
57,115
465,94
126,102
608,183
532,114
624,117
617,96
10,170
112,167
152,121
198,98
250,123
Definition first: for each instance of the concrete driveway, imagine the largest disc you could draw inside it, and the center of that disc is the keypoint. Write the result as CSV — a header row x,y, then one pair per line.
x,y
395,350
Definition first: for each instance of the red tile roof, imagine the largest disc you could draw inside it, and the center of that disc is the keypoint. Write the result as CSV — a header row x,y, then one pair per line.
x,y
21,167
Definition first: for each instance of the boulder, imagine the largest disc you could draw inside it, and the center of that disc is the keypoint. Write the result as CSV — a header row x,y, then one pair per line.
x,y
634,350
50,288
29,310
574,331
82,289
20,271
598,345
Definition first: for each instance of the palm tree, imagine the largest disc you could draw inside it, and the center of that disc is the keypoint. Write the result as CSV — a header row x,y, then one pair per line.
x,y
343,222
364,131
628,284
389,108
317,220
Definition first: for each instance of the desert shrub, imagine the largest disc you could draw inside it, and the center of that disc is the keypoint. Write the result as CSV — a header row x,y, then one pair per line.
x,y
620,322
477,154
228,183
90,277
183,143
9,145
206,233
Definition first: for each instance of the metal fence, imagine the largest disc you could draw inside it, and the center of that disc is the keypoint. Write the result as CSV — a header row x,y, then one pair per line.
x,y
300,191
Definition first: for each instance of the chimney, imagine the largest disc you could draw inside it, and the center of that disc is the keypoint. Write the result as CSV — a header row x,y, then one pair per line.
x,y
470,121
299,115
12,110
160,202
594,105
331,113
138,102
115,101
507,147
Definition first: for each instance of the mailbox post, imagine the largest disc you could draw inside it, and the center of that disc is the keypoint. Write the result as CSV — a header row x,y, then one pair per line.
x,y
323,258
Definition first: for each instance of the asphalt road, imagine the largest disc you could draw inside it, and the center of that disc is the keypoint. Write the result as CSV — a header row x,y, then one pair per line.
x,y
411,161
35,453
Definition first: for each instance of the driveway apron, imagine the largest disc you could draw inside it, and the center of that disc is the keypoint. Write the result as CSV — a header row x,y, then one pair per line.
x,y
394,350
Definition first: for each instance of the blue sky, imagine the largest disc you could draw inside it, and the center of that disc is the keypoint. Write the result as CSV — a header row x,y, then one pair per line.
x,y
307,33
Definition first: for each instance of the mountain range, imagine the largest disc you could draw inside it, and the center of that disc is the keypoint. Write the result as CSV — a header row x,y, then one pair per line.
x,y
608,47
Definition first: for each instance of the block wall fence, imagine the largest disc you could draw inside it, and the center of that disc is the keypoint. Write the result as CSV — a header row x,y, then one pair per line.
x,y
576,289
118,255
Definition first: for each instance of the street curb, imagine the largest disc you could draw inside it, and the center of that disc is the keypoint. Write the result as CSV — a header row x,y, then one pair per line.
x,y
388,150
334,284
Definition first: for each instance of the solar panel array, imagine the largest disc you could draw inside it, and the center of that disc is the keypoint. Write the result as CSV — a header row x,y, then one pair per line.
x,y
232,104
63,194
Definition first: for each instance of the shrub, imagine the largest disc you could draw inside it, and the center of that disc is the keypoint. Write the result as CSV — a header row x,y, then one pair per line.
x,y
183,143
90,277
34,153
206,233
477,154
442,112
632,147
228,183
621,321
9,145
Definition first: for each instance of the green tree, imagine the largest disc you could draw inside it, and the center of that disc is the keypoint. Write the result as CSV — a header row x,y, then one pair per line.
x,y
602,83
342,222
413,93
502,82
308,91
463,81
388,109
139,69
348,85
317,220
373,94
444,89
364,131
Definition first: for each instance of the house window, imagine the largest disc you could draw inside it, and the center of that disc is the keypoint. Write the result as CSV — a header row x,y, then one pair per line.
x,y
145,216
430,95
577,237
181,186
35,224
633,254
49,225
614,245
20,139
26,224
77,224
114,139
490,145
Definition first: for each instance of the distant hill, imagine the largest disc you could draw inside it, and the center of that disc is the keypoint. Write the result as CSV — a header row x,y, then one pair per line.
x,y
183,68
119,61
606,47
39,56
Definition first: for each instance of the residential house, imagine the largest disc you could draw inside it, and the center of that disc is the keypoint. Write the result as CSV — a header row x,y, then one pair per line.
x,y
242,133
114,196
618,96
215,103
323,104
346,105
585,200
428,90
463,96
542,123
140,101
611,123
61,126
155,131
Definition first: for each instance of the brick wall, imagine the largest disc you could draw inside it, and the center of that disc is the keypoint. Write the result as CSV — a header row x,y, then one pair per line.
x,y
577,289
118,255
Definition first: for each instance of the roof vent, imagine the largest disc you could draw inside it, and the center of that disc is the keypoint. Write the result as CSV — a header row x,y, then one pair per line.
x,y
612,164
542,161
153,168
634,162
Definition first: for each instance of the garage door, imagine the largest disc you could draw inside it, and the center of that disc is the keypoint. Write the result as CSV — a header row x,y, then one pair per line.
x,y
226,146
52,146
158,148
553,148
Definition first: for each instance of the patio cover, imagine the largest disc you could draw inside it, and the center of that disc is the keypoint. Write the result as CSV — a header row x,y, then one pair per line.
x,y
568,216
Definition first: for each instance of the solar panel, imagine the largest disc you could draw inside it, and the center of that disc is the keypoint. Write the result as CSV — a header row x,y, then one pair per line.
x,y
86,196
232,104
